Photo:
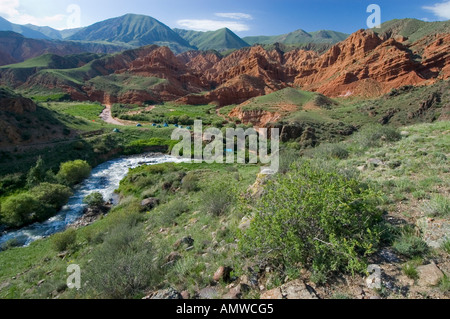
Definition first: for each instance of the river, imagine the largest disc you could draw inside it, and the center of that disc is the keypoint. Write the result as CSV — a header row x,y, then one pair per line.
x,y
104,179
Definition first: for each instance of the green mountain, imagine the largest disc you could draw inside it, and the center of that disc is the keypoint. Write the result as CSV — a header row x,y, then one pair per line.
x,y
5,25
413,29
299,37
135,30
53,33
220,40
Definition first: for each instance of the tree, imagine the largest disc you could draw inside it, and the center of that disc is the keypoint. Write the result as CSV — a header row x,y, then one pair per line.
x,y
19,209
53,195
36,174
74,172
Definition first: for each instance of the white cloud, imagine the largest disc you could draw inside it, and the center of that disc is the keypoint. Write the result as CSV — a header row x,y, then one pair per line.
x,y
235,16
212,25
441,10
10,10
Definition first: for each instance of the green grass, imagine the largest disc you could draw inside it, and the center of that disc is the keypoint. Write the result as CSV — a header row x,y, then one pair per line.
x,y
31,264
271,102
88,111
120,83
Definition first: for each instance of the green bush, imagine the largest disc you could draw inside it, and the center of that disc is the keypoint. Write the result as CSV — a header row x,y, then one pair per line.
x,y
375,135
74,172
94,200
190,183
19,210
287,157
54,195
218,198
11,182
329,151
438,206
124,265
64,241
317,217
446,246
410,245
36,174
410,270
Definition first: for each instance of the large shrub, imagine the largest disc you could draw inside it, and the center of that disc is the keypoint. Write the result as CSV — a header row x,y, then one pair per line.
x,y
74,172
53,195
65,240
124,265
316,216
19,209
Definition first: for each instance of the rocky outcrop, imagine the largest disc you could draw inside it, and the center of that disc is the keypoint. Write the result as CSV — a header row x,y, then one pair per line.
x,y
15,104
294,290
365,64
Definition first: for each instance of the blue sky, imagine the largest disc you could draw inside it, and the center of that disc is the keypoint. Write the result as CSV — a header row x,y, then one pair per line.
x,y
245,17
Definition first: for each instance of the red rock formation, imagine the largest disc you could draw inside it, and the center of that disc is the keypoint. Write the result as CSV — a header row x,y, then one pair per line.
x,y
364,64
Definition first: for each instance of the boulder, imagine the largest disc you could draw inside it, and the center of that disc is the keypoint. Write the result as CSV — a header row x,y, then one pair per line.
x,y
165,294
296,290
208,293
150,203
429,275
223,273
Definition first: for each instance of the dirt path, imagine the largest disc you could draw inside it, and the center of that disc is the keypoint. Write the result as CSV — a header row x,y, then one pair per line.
x,y
108,118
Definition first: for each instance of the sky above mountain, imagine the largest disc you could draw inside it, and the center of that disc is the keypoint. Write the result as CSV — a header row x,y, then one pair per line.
x,y
245,17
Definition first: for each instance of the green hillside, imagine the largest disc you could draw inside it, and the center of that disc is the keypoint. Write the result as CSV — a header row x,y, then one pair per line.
x,y
53,61
413,29
5,25
299,36
135,30
220,40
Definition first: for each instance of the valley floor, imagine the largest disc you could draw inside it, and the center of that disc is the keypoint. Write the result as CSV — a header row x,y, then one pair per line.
x,y
189,244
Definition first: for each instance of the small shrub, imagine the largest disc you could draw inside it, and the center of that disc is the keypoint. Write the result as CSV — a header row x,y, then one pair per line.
x,y
124,265
410,245
375,135
287,157
438,206
190,183
10,244
446,246
64,241
444,285
410,270
171,212
94,200
329,151
218,198
74,172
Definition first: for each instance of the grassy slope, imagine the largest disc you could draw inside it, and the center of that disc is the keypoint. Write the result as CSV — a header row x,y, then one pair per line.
x,y
220,40
413,29
299,36
403,185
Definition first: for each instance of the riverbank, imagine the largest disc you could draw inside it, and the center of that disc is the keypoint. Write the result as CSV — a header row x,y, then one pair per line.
x,y
104,179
